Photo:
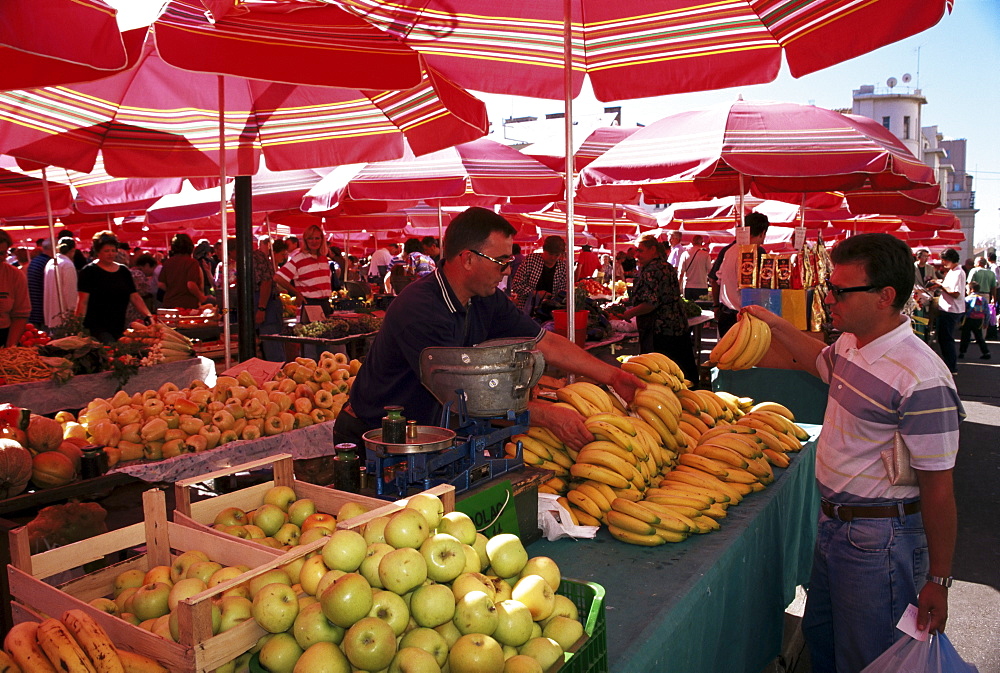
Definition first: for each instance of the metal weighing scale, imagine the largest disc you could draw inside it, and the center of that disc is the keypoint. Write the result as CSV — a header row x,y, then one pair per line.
x,y
475,385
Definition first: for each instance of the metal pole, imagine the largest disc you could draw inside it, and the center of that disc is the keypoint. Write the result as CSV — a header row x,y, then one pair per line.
x,y
222,217
243,204
570,166
52,238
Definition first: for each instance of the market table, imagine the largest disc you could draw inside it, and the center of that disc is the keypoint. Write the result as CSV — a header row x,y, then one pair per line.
x,y
46,397
356,345
713,603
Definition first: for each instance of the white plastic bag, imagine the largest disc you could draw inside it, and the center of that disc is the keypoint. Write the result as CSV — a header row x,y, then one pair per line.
x,y
908,655
556,522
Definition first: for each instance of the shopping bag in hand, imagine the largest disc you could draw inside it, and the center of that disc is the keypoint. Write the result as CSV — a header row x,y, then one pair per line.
x,y
908,655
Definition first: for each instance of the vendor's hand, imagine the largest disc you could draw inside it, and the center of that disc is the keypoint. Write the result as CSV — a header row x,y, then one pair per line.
x,y
259,315
566,424
625,384
760,312
933,603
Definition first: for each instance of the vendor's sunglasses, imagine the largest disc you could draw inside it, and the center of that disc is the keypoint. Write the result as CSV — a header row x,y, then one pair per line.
x,y
838,292
504,265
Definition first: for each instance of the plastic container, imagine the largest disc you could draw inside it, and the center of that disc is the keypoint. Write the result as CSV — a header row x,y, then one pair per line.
x,y
561,318
592,655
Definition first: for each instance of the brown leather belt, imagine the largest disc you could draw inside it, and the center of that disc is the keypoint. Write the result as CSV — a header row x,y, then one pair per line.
x,y
851,512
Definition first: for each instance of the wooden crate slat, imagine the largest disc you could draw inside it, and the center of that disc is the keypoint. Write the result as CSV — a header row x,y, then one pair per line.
x,y
47,564
446,492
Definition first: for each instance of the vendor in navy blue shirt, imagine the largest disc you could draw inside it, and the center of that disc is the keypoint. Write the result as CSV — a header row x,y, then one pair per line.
x,y
460,305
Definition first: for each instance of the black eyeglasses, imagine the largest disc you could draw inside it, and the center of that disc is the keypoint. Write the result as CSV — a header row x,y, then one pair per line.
x,y
504,265
838,292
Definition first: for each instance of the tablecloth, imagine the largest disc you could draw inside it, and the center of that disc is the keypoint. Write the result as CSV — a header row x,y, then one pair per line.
x,y
46,397
803,393
713,603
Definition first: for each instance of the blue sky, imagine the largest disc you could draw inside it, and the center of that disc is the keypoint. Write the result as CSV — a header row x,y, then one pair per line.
x,y
954,64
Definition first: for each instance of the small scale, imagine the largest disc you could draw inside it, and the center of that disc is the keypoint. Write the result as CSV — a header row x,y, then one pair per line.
x,y
475,386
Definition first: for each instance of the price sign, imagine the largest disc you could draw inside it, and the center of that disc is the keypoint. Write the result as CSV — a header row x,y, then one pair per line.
x,y
799,238
492,509
314,313
742,235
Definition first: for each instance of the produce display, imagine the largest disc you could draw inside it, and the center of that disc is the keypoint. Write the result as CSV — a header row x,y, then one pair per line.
x,y
593,288
32,336
339,325
205,315
743,345
163,343
282,520
671,465
24,364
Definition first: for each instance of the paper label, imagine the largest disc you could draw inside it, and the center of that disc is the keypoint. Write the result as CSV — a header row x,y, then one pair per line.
x,y
798,237
742,235
908,623
314,313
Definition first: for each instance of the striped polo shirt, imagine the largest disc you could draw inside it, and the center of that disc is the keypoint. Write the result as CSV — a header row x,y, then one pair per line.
x,y
309,274
896,382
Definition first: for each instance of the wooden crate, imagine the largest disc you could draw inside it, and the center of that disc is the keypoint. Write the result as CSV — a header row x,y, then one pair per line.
x,y
198,650
445,491
201,514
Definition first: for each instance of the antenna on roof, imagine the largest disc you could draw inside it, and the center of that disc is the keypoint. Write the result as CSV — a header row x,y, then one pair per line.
x,y
891,82
906,78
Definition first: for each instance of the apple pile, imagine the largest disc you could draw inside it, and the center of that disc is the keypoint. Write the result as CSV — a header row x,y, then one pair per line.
x,y
168,422
283,520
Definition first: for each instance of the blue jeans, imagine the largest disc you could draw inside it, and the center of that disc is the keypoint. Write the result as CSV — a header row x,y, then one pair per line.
x,y
947,323
865,572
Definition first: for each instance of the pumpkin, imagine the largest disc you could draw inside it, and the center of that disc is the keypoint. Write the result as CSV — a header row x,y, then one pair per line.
x,y
72,451
15,468
44,434
51,468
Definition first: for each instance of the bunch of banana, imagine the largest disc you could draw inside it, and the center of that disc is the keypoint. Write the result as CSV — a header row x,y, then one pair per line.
x,y
669,513
541,448
660,408
589,502
655,368
776,428
743,345
738,405
76,644
589,399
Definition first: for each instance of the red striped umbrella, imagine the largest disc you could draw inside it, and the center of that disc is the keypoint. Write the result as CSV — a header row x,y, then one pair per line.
x,y
45,42
22,194
294,41
599,141
155,120
639,48
770,147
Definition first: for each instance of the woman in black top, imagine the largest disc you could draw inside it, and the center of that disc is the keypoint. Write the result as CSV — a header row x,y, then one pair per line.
x,y
112,288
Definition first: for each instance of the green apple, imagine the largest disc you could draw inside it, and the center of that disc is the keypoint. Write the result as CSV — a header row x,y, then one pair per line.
x,y
536,594
275,575
281,496
513,623
347,600
522,663
544,650
545,567
476,653
253,532
311,627
224,575
467,582
473,564
369,565
108,605
562,607
157,574
370,644
231,516
402,569
459,526
430,506
150,601
375,530
288,534
391,609
275,607
502,589
407,528
178,569
311,573
507,555
313,534
300,510
184,588
161,627
508,652
235,611
280,653
536,630
294,570
345,550
564,631
444,556
269,518
428,640
321,520
329,578
322,657
236,531
432,605
475,612
124,599
129,578
349,510
449,632
203,570
413,660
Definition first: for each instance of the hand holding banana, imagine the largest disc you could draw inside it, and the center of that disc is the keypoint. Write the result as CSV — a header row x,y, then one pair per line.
x,y
743,345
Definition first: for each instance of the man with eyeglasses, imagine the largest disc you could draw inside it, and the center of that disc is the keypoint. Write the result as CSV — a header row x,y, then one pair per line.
x,y
880,547
459,305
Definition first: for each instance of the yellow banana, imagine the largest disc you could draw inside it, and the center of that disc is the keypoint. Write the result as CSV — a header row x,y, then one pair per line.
x,y
691,431
634,510
607,458
542,488
654,421
667,395
640,370
572,513
556,468
747,449
776,421
671,516
581,501
655,403
701,479
689,511
594,494
21,643
691,401
708,419
677,500
94,641
658,492
611,433
7,664
775,408
712,467
715,495
666,363
545,436
629,493
722,346
760,341
694,421
716,406
531,458
647,361
705,524
137,663
598,473
727,456
61,648
593,394
533,445
738,345
715,511
731,429
777,459
799,432
619,408
670,535
561,458
735,474
584,518
629,523
623,423
635,538
761,469
603,489
557,483
571,397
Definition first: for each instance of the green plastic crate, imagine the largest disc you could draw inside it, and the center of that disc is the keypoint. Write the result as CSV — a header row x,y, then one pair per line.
x,y
592,657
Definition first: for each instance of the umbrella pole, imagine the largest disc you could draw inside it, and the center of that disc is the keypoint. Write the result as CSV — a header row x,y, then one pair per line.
x,y
570,165
243,204
739,216
52,237
614,244
222,216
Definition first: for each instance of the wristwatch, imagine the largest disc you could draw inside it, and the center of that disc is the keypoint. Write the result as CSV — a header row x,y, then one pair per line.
x,y
943,581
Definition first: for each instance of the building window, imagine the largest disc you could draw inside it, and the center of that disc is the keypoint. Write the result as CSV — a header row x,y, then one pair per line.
x,y
955,203
885,123
906,127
